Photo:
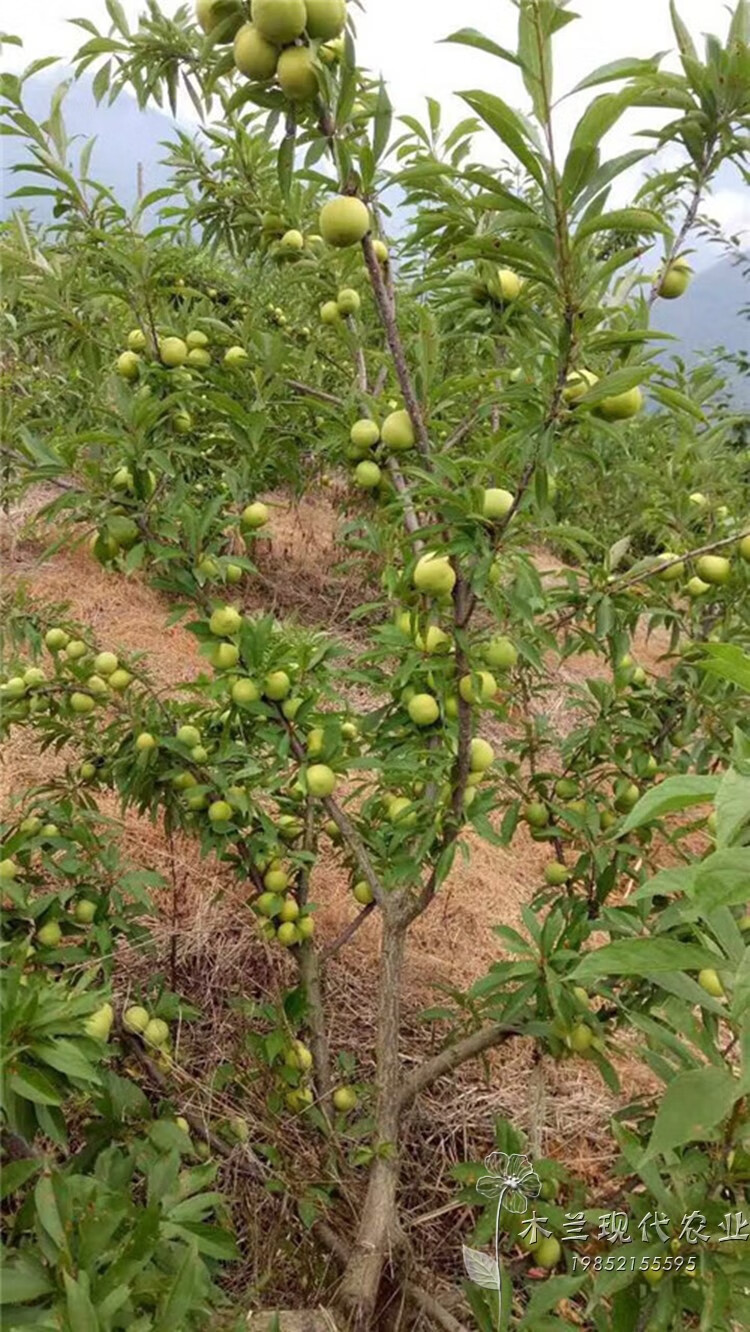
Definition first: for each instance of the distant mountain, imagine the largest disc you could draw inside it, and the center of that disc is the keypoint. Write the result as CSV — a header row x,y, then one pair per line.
x,y
125,137
709,316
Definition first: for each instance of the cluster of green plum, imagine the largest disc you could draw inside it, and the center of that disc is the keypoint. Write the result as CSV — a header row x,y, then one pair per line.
x,y
99,677
174,353
618,407
286,40
709,571
367,438
153,1031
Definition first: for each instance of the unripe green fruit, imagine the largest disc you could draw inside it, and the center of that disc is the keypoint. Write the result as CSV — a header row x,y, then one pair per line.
x,y
505,286
652,1276
479,687
556,874
290,707
548,1252
254,56
137,340
277,686
8,869
496,504
330,313
84,911
289,910
199,357
76,649
56,639
49,935
674,572
254,516
745,547
566,788
397,812
626,796
288,934
536,814
744,923
235,356
196,338
267,904
119,681
87,771
293,240
434,575
300,1098
199,754
173,352
276,881
182,423
362,893
182,1123
367,475
675,280
578,384
299,1057
135,1018
321,780
713,569
105,663
188,735
348,301
279,21
398,432
639,676
99,1024
501,653
225,621
710,981
482,755
220,811
364,434
621,406
695,587
345,1099
82,703
325,19
580,1038
380,250
315,741
582,996
156,1032
423,709
344,221
128,365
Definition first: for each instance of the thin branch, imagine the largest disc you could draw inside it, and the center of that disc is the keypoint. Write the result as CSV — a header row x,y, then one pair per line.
x,y
411,521
388,319
307,391
449,1059
346,935
311,975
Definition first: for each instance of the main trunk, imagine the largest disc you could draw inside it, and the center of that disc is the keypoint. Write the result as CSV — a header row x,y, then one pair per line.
x,y
378,1228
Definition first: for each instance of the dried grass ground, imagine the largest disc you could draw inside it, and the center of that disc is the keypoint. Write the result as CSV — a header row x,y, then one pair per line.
x,y
218,953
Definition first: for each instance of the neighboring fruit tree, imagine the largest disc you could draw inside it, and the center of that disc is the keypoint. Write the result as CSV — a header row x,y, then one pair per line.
x,y
458,392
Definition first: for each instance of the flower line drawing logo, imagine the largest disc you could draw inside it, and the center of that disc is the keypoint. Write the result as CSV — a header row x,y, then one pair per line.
x,y
513,1181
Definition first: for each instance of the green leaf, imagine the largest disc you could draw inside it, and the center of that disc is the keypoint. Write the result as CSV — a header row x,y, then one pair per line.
x,y
65,1057
729,662
382,121
34,1086
741,987
629,67
721,880
285,164
620,381
643,957
670,796
691,1108
47,1210
639,220
508,126
23,1278
81,1311
676,401
684,40
732,807
16,1173
179,1297
470,37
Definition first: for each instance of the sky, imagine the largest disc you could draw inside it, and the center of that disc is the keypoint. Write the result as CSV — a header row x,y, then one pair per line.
x,y
402,39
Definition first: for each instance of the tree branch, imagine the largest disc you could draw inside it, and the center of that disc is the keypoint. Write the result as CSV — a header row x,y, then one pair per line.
x,y
449,1059
388,319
